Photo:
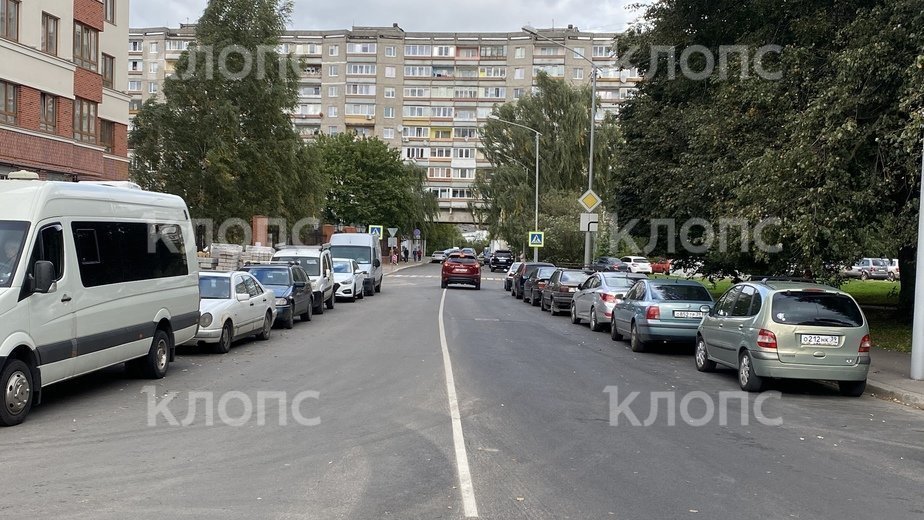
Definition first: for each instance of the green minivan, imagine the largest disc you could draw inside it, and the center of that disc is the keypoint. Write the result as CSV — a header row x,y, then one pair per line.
x,y
790,330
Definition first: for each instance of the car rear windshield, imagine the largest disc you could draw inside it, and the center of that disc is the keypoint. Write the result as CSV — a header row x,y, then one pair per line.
x,y
463,260
816,308
545,272
311,264
880,263
695,293
503,253
619,281
573,277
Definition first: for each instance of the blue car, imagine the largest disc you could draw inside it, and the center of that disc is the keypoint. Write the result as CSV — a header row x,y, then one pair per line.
x,y
662,310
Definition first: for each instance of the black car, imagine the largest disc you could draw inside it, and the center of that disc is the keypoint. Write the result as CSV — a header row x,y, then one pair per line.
x,y
501,260
533,286
562,286
525,270
611,265
292,287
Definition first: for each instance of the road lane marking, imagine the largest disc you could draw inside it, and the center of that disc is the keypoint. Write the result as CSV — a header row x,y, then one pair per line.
x,y
467,488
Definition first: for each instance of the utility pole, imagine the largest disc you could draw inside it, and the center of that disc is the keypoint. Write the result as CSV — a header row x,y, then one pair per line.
x,y
917,334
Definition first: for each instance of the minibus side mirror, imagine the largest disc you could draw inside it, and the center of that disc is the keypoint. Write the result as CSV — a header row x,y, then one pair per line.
x,y
44,276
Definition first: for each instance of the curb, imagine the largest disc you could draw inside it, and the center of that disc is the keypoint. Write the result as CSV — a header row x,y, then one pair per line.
x,y
411,266
888,392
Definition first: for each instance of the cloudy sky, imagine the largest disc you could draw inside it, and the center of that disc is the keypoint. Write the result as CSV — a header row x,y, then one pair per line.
x,y
415,15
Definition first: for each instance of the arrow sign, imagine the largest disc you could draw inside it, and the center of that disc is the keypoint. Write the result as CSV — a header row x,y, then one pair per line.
x,y
376,230
392,231
536,239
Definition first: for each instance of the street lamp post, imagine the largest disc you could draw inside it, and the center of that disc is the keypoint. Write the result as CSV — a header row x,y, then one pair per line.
x,y
917,331
533,130
593,123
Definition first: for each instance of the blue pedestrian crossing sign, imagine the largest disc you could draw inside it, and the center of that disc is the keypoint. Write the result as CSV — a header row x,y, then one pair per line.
x,y
536,239
377,231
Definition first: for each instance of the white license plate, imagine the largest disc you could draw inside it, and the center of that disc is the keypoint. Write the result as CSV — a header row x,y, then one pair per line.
x,y
460,271
689,314
826,341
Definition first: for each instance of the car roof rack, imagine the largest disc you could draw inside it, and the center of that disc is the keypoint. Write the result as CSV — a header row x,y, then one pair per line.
x,y
764,279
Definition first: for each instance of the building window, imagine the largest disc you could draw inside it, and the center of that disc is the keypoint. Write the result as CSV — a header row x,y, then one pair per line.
x,y
9,103
356,109
517,93
109,11
388,133
153,67
361,48
134,85
86,46
417,50
443,51
332,130
333,50
135,46
601,51
49,34
84,120
578,73
579,53
494,51
390,52
389,92
134,65
360,89
152,88
331,111
417,71
134,105
520,52
389,112
107,135
361,69
332,91
108,71
389,72
154,47
518,73
333,70
9,19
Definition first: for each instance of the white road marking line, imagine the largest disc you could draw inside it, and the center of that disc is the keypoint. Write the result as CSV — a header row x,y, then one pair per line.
x,y
466,487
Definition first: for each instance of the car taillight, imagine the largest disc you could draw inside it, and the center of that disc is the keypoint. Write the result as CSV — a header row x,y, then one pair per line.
x,y
766,339
653,313
608,298
865,344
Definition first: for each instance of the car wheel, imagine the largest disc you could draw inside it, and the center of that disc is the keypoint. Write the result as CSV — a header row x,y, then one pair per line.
x,y
701,356
443,284
154,365
864,275
533,300
747,379
290,321
378,288
891,277
267,327
574,317
224,341
614,332
524,298
330,302
635,342
852,388
594,322
308,313
477,286
319,308
17,392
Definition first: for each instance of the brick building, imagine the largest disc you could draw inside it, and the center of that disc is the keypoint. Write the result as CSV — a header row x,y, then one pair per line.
x,y
63,79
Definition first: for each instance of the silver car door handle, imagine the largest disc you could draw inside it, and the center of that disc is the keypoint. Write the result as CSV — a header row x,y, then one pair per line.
x,y
721,325
740,327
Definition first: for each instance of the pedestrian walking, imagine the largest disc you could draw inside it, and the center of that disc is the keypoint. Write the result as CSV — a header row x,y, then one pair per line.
x,y
406,253
394,257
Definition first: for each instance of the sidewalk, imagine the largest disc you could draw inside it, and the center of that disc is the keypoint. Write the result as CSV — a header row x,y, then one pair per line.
x,y
391,269
889,378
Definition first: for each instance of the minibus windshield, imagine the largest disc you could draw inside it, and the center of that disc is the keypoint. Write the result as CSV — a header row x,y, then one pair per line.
x,y
12,237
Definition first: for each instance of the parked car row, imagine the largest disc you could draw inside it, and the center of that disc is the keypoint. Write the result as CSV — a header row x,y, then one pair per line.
x,y
763,329
873,269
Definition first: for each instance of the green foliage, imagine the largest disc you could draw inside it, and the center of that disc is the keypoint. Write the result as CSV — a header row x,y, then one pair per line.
x,y
443,236
224,141
561,113
832,149
370,185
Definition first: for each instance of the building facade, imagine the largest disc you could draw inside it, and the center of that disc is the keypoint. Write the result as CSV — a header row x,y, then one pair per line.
x,y
63,100
423,93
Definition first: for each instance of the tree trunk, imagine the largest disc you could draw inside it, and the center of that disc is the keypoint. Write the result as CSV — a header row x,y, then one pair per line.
x,y
907,260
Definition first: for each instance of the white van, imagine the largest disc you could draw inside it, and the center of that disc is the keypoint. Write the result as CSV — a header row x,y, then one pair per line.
x,y
318,263
367,251
90,276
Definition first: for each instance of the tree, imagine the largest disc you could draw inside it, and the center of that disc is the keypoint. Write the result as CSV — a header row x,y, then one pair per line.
x,y
561,113
370,185
829,149
223,139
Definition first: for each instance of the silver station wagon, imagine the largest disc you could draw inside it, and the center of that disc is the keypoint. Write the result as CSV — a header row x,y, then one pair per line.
x,y
791,330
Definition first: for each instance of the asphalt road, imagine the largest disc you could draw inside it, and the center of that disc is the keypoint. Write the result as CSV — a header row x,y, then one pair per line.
x,y
535,420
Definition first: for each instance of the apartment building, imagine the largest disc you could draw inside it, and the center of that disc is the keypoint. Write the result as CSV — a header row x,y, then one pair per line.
x,y
63,101
423,93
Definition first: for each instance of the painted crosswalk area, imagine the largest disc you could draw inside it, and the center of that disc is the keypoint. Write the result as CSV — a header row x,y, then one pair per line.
x,y
432,276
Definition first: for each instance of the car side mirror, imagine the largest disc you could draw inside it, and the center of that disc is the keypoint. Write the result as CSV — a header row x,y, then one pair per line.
x,y
358,271
44,276
243,297
376,263
619,296
300,285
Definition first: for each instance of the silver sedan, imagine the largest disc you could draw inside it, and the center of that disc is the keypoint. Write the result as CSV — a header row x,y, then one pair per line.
x,y
597,296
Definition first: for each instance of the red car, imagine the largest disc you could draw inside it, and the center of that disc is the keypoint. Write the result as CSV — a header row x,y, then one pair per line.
x,y
461,269
662,266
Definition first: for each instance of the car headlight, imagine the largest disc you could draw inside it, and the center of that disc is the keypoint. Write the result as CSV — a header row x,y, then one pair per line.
x,y
205,320
282,301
